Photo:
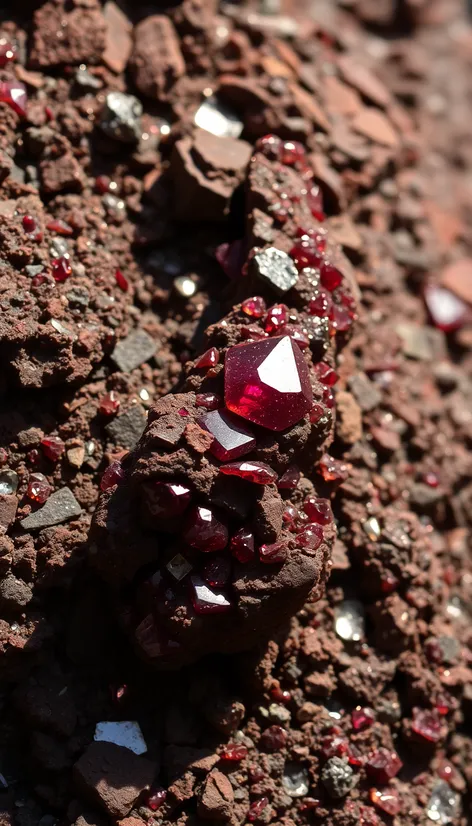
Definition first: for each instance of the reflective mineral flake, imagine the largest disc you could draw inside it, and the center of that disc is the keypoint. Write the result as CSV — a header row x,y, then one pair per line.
x,y
216,118
268,382
295,780
276,269
126,733
443,805
349,620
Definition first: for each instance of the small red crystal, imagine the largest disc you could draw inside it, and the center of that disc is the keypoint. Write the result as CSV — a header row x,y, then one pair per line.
x,y
325,374
39,488
273,553
334,745
242,545
109,404
122,282
7,52
102,184
232,438
156,800
61,268
206,600
276,318
362,718
13,93
217,571
166,499
333,470
382,765
257,808
252,332
297,335
60,227
431,479
273,738
310,537
341,319
304,255
319,510
268,382
321,304
210,401
330,276
233,753
257,472
314,199
29,223
39,279
203,530
388,800
317,412
290,479
209,359
292,152
254,307
280,695
427,725
270,146
231,258
53,447
113,475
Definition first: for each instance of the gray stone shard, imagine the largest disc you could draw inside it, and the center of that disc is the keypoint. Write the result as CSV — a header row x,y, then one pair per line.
x,y
133,350
127,429
61,506
276,269
338,777
120,117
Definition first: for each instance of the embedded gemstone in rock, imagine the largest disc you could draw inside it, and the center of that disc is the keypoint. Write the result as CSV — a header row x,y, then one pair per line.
x,y
113,475
290,479
333,470
217,571
330,276
362,718
273,738
207,600
310,537
297,335
242,545
304,255
53,447
109,404
256,808
13,93
382,765
29,223
427,725
274,553
316,413
319,510
254,307
61,269
328,398
314,200
209,359
39,488
276,318
341,319
60,227
122,282
156,800
268,382
386,799
257,472
204,531
270,146
292,152
166,499
231,437
233,752
325,374
210,401
7,52
321,304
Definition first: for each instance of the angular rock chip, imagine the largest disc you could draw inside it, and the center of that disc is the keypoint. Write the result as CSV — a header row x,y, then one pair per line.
x,y
156,62
118,39
276,269
60,506
133,350
127,429
120,117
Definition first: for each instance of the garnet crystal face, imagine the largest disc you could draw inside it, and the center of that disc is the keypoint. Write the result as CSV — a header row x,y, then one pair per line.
x,y
268,382
232,437
166,499
204,531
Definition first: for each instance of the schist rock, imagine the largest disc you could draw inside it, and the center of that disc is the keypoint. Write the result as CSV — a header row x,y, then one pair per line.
x,y
133,350
275,268
127,429
61,506
206,169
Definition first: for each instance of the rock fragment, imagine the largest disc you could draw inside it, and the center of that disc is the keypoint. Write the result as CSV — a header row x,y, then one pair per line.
x,y
276,269
127,429
133,351
118,39
61,506
156,62
120,117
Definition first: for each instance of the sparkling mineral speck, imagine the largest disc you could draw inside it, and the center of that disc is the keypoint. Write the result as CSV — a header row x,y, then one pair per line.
x,y
443,805
349,620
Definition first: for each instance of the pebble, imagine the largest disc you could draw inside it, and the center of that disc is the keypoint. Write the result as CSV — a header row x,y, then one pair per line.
x,y
276,269
338,777
127,429
8,481
126,733
61,506
120,117
133,350
443,805
420,343
367,395
295,780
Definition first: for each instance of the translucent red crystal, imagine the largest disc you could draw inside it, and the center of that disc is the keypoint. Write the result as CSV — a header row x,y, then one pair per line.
x,y
321,304
388,800
38,489
310,537
166,500
334,745
292,152
273,738
217,571
273,553
254,307
290,479
242,545
113,475
330,276
270,146
280,695
362,718
61,268
209,359
7,52
232,438
233,753
268,382
341,319
53,447
207,600
231,258
382,765
325,374
156,800
109,404
39,279
427,725
314,200
203,530
305,255
60,228
276,318
122,282
297,335
318,510
257,472
210,401
13,93
29,223
447,311
256,808
316,413
333,470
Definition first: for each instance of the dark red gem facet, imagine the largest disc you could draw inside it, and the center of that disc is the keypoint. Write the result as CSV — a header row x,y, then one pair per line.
x,y
121,281
257,472
234,753
310,537
254,307
292,152
382,765
330,276
39,488
61,268
242,545
53,447
268,382
427,725
231,436
109,404
277,317
388,800
270,146
166,499
209,359
273,553
7,52
257,808
362,718
204,530
273,738
206,600
325,374
290,479
156,800
319,510
321,304
304,255
13,93
210,401
29,223
113,475
217,571
60,227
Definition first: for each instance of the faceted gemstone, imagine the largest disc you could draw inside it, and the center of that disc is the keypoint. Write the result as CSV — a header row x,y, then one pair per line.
x,y
166,499
290,479
61,268
273,738
362,718
217,571
254,307
253,332
39,279
256,808
325,374
270,146
314,199
292,152
382,765
231,258
289,515
39,488
319,510
109,404
321,304
316,413
204,531
330,276
257,472
210,401
304,255
122,282
276,318
233,752
206,600
13,93
29,223
310,537
328,398
273,553
156,800
179,567
209,359
7,52
297,335
183,412
53,447
114,474
60,227
447,311
431,479
231,436
355,756
309,804
386,799
268,382
333,470
280,695
256,774
242,545
388,582
335,745
427,725
341,319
